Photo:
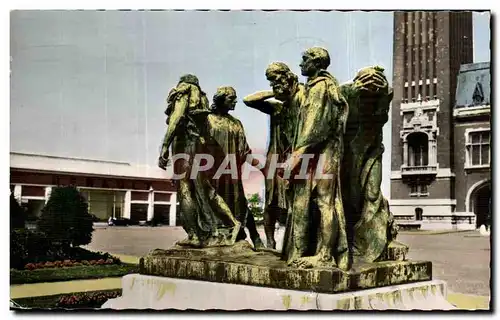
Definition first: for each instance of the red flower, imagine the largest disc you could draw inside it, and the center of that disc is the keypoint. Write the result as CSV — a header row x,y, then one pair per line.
x,y
30,266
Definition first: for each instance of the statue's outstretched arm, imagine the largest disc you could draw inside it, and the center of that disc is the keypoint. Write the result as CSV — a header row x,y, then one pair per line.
x,y
258,101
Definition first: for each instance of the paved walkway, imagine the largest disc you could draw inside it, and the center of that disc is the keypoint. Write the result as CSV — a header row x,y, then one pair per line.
x,y
52,288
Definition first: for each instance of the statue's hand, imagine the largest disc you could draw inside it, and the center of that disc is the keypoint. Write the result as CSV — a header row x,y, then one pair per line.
x,y
293,163
373,81
163,161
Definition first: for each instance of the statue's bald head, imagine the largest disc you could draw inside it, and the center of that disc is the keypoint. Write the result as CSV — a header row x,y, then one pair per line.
x,y
320,56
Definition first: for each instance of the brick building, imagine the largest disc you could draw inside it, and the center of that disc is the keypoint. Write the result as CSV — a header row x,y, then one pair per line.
x,y
472,116
436,179
112,189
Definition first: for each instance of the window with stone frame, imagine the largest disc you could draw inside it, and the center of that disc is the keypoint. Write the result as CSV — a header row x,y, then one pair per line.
x,y
478,148
418,189
418,147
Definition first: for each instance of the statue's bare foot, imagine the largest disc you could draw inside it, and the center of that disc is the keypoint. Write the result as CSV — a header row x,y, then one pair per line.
x,y
213,241
271,244
192,241
258,244
313,262
294,256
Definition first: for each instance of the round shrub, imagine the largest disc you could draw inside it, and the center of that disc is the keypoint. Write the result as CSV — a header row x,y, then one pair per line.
x,y
65,219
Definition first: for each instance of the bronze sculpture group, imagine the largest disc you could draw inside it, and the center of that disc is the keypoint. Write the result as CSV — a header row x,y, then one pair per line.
x,y
327,135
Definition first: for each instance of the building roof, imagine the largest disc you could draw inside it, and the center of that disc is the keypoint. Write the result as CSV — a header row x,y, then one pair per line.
x,y
49,163
473,85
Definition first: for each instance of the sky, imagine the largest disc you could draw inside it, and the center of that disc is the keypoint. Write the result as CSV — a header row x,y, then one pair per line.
x,y
92,84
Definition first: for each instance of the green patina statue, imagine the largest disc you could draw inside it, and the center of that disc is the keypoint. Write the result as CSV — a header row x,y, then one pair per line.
x,y
283,112
226,139
323,170
330,188
206,217
315,234
370,223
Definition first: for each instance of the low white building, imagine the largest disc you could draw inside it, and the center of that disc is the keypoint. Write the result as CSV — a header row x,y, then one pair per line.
x,y
112,189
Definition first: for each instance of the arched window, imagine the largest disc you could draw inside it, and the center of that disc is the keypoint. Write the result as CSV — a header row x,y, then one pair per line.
x,y
418,147
418,214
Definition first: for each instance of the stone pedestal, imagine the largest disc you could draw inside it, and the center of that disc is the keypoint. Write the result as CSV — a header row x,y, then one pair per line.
x,y
240,264
160,293
238,278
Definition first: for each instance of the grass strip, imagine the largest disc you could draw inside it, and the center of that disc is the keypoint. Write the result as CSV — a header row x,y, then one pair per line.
x,y
71,273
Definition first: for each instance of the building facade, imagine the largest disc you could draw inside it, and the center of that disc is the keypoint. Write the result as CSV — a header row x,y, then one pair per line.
x,y
428,177
112,189
472,141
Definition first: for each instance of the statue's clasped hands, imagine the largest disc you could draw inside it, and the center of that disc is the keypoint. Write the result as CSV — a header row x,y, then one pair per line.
x,y
371,79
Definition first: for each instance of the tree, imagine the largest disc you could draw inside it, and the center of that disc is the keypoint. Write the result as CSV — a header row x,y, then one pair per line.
x,y
17,214
65,219
255,206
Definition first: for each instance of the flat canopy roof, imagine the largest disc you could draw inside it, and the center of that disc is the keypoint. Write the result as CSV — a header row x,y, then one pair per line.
x,y
49,163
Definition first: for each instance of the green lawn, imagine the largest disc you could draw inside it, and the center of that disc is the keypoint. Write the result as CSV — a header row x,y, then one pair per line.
x,y
70,273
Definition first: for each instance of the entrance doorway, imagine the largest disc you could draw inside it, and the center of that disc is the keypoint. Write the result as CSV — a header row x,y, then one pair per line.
x,y
481,204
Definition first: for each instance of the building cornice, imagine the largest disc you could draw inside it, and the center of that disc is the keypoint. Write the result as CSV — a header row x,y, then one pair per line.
x,y
470,112
441,173
422,202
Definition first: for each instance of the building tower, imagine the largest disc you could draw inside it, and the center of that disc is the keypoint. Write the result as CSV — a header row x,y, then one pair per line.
x,y
429,48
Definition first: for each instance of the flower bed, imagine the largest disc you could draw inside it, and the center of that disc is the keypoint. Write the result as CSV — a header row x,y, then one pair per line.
x,y
69,263
86,300
31,250
75,300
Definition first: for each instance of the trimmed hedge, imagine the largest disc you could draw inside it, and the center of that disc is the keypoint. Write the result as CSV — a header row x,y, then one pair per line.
x,y
91,299
71,273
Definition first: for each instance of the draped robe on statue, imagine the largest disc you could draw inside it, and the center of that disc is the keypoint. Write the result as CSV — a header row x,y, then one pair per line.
x,y
320,130
369,220
202,209
228,145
